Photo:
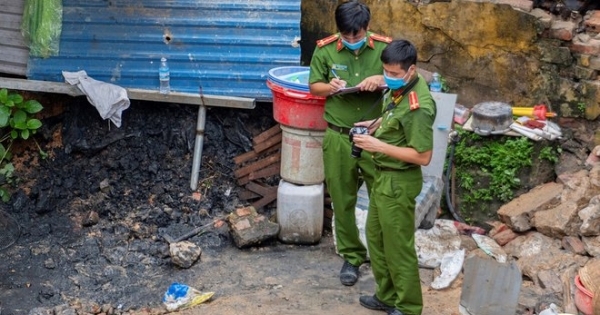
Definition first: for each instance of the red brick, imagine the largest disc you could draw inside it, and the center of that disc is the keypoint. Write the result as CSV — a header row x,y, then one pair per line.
x,y
504,237
242,212
591,47
562,30
497,229
573,244
592,22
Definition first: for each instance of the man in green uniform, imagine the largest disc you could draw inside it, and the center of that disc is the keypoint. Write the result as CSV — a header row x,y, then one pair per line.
x,y
401,143
349,58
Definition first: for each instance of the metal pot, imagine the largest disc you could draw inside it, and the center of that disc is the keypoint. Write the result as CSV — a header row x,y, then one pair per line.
x,y
490,118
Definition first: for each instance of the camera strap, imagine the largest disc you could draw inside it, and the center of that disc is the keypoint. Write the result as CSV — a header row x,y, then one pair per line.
x,y
395,99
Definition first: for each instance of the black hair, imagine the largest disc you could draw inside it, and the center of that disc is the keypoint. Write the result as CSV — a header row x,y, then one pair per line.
x,y
400,52
352,16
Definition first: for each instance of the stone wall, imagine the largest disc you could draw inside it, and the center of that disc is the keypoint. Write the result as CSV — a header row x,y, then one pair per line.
x,y
497,50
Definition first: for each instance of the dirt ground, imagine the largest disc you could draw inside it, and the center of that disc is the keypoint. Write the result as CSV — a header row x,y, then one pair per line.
x,y
287,279
84,227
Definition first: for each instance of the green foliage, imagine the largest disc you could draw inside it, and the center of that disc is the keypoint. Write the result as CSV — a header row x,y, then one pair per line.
x,y
550,154
492,164
445,87
16,122
581,107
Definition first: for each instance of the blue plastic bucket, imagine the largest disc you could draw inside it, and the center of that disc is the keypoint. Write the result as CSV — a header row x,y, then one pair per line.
x,y
293,77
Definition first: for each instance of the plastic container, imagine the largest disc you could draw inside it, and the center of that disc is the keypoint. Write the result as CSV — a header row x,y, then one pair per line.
x,y
300,212
461,114
295,78
436,83
293,105
302,156
164,76
583,298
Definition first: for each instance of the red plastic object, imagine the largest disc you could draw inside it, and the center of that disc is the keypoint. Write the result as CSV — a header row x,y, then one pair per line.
x,y
297,109
583,298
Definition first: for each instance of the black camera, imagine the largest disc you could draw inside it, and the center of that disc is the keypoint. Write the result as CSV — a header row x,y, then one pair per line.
x,y
358,130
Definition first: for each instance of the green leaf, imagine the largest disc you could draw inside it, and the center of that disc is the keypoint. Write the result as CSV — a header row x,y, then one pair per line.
x,y
4,115
4,194
3,96
33,124
32,106
19,120
2,151
14,134
25,134
16,98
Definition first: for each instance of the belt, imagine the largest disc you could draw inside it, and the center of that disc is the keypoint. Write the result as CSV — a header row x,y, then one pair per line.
x,y
338,129
387,169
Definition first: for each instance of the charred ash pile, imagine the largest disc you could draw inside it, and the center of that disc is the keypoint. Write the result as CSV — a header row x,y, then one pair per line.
x,y
90,216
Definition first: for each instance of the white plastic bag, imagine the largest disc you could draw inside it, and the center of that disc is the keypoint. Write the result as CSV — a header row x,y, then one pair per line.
x,y
180,296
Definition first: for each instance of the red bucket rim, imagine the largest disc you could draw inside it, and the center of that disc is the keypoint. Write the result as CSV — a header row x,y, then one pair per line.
x,y
278,88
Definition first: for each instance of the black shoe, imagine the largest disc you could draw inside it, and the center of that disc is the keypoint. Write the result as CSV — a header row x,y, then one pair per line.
x,y
348,274
373,303
395,312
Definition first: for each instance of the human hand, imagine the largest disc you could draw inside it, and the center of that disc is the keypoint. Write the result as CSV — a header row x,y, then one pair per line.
x,y
371,83
336,84
372,124
367,142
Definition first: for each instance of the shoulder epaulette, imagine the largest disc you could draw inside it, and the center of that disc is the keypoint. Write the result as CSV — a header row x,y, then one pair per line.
x,y
381,38
327,40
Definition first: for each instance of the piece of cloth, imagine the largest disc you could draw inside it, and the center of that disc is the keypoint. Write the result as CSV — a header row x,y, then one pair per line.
x,y
343,173
391,218
109,99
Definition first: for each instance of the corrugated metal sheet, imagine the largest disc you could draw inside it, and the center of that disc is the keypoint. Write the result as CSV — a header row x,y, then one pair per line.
x,y
13,51
226,47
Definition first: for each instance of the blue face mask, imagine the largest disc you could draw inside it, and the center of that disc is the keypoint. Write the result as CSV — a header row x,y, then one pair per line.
x,y
394,83
354,46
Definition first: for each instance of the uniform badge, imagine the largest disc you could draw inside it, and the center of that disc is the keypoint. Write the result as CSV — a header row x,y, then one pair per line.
x,y
413,100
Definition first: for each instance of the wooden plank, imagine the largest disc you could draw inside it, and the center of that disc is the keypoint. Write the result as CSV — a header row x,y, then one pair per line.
x,y
247,195
250,155
273,141
243,180
136,94
257,165
244,157
267,199
267,134
266,172
260,189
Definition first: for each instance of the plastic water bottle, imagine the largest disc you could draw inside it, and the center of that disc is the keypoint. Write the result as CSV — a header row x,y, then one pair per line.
x,y
164,76
436,83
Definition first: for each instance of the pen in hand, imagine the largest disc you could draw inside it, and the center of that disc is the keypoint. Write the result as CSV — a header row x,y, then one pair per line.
x,y
342,82
335,74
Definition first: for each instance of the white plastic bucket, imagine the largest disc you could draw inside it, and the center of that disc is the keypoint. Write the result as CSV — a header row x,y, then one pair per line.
x,y
300,212
302,156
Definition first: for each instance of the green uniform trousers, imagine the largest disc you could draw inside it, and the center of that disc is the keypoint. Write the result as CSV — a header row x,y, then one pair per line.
x,y
391,239
343,179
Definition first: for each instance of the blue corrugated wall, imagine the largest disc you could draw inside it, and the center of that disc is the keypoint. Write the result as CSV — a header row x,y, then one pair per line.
x,y
226,47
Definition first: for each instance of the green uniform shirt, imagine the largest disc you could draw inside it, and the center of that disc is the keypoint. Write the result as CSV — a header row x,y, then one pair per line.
x,y
403,127
345,110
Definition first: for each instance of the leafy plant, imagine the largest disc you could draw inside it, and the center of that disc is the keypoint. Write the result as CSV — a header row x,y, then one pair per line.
x,y
497,159
550,154
581,107
16,122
